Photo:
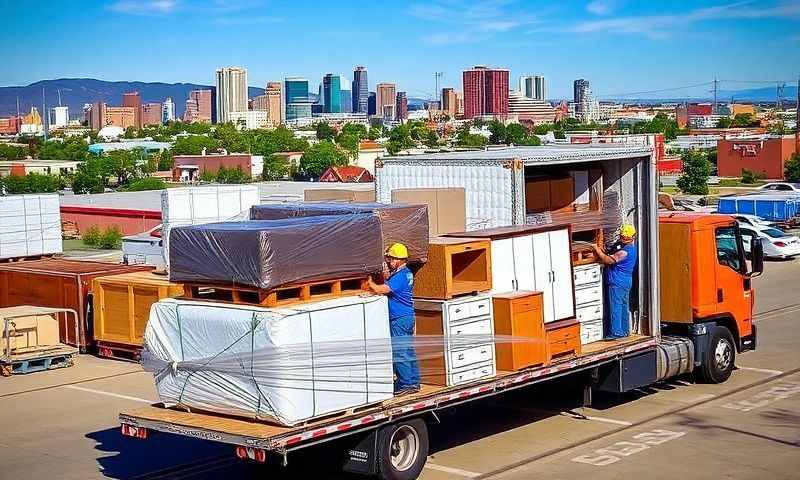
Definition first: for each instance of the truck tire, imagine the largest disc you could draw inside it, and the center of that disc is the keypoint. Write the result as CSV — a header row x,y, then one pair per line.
x,y
720,356
402,450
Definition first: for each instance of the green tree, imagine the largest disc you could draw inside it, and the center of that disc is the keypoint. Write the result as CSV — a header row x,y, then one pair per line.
x,y
466,139
275,167
122,164
39,183
90,177
208,176
320,157
165,160
792,168
232,175
231,139
375,131
194,145
724,122
357,129
744,120
498,131
349,143
516,134
70,148
696,170
431,139
325,131
12,152
130,132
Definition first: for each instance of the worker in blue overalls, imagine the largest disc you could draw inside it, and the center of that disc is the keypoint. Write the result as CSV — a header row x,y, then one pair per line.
x,y
620,262
398,288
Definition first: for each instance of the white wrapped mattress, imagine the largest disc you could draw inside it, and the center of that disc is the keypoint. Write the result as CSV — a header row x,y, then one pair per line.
x,y
285,365
30,225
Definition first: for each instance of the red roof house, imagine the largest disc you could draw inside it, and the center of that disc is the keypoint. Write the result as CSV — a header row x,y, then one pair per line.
x,y
348,174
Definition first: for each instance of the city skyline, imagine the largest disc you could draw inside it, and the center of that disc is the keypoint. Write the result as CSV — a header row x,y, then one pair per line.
x,y
449,36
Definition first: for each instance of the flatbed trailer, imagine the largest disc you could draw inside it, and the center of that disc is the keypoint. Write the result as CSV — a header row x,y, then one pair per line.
x,y
254,439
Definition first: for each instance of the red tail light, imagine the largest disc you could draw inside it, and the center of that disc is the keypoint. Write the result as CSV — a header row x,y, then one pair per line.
x,y
779,244
257,454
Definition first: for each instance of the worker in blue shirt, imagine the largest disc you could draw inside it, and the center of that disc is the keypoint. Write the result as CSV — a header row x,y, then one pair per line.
x,y
398,289
620,263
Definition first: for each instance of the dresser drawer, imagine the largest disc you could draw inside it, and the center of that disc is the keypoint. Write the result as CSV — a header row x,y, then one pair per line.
x,y
476,373
588,274
591,331
478,327
570,345
587,295
459,311
480,308
469,356
589,313
566,333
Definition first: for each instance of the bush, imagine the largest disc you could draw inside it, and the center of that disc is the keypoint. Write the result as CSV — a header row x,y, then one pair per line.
x,y
748,176
109,239
792,168
91,236
146,183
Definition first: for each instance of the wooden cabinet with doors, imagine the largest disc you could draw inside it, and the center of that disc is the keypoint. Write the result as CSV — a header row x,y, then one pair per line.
x,y
537,259
520,339
456,266
549,194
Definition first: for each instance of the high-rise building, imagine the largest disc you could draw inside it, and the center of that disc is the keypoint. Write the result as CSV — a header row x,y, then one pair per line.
x,y
385,99
274,94
332,93
371,104
151,114
199,106
298,103
231,92
580,88
450,101
259,102
347,99
101,115
360,90
132,99
59,117
401,106
168,111
533,86
485,92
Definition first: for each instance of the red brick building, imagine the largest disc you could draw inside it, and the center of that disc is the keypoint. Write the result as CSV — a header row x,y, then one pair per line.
x,y
151,114
485,92
766,155
189,168
10,125
133,100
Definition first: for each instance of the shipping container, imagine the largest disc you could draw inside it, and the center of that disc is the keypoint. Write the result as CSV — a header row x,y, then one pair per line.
x,y
776,208
58,283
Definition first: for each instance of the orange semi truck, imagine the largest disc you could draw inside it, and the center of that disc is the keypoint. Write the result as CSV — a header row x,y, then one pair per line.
x,y
692,316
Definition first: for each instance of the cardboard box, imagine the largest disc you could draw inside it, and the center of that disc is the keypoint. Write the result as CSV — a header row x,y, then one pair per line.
x,y
447,207
338,195
32,331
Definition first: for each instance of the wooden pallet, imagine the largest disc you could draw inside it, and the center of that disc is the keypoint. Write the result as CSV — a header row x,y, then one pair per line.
x,y
59,356
289,295
128,353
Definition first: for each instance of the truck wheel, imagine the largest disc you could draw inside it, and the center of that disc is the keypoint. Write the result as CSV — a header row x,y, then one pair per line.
x,y
402,450
719,357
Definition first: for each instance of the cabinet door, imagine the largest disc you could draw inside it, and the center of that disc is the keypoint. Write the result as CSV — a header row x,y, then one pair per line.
x,y
562,193
561,266
537,196
502,265
542,273
523,262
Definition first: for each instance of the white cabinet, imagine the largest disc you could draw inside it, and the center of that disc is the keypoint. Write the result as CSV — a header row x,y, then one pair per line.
x,y
589,301
460,338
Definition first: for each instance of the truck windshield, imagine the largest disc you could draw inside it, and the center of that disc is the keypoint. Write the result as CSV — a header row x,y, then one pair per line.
x,y
728,248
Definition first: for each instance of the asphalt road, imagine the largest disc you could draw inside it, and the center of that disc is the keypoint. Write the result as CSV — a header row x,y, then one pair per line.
x,y
63,424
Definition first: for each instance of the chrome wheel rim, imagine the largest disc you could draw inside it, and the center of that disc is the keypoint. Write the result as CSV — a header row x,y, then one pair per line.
x,y
404,448
723,354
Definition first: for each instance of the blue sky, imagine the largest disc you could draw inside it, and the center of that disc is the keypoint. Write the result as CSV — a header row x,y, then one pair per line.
x,y
620,46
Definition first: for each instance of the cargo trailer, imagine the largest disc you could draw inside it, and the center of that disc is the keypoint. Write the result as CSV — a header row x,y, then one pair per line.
x,y
705,324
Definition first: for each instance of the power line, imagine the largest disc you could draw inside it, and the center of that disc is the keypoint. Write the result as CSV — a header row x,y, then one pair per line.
x,y
704,84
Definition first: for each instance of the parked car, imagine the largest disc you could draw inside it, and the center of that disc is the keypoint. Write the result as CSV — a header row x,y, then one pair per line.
x,y
781,187
776,243
745,219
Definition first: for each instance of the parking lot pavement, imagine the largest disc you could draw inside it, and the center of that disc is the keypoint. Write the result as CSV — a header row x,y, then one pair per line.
x,y
63,423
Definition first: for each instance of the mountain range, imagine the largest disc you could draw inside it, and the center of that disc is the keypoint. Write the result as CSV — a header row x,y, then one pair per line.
x,y
75,92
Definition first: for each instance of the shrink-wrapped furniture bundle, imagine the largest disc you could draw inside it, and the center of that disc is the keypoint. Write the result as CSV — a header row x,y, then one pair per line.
x,y
403,223
267,254
285,365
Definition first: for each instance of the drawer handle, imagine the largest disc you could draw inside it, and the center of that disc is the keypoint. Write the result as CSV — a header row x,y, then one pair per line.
x,y
461,356
458,310
458,332
484,351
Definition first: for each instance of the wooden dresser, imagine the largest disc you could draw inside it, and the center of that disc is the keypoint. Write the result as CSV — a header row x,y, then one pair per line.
x,y
518,317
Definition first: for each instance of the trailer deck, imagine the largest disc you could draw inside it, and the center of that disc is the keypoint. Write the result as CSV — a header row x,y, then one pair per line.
x,y
256,434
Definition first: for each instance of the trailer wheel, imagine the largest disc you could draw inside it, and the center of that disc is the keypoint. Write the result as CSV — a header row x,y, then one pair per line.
x,y
720,356
402,450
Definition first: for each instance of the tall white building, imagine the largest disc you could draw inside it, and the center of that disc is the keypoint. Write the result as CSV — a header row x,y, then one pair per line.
x,y
59,117
231,92
167,110
533,86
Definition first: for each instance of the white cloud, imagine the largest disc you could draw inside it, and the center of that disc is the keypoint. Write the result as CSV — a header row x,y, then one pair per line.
x,y
599,7
661,26
144,7
470,20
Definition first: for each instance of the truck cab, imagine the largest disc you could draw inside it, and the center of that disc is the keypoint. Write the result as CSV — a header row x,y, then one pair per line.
x,y
706,288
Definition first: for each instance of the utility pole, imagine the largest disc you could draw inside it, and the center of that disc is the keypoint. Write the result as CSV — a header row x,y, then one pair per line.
x,y
714,111
45,115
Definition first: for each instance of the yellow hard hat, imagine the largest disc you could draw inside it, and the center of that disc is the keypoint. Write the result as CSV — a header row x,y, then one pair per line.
x,y
627,231
398,250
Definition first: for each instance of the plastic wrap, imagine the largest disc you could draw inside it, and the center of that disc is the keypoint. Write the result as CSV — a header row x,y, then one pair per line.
x,y
29,225
268,254
404,223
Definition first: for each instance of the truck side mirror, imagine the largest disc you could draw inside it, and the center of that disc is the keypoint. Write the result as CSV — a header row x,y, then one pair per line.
x,y
756,257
